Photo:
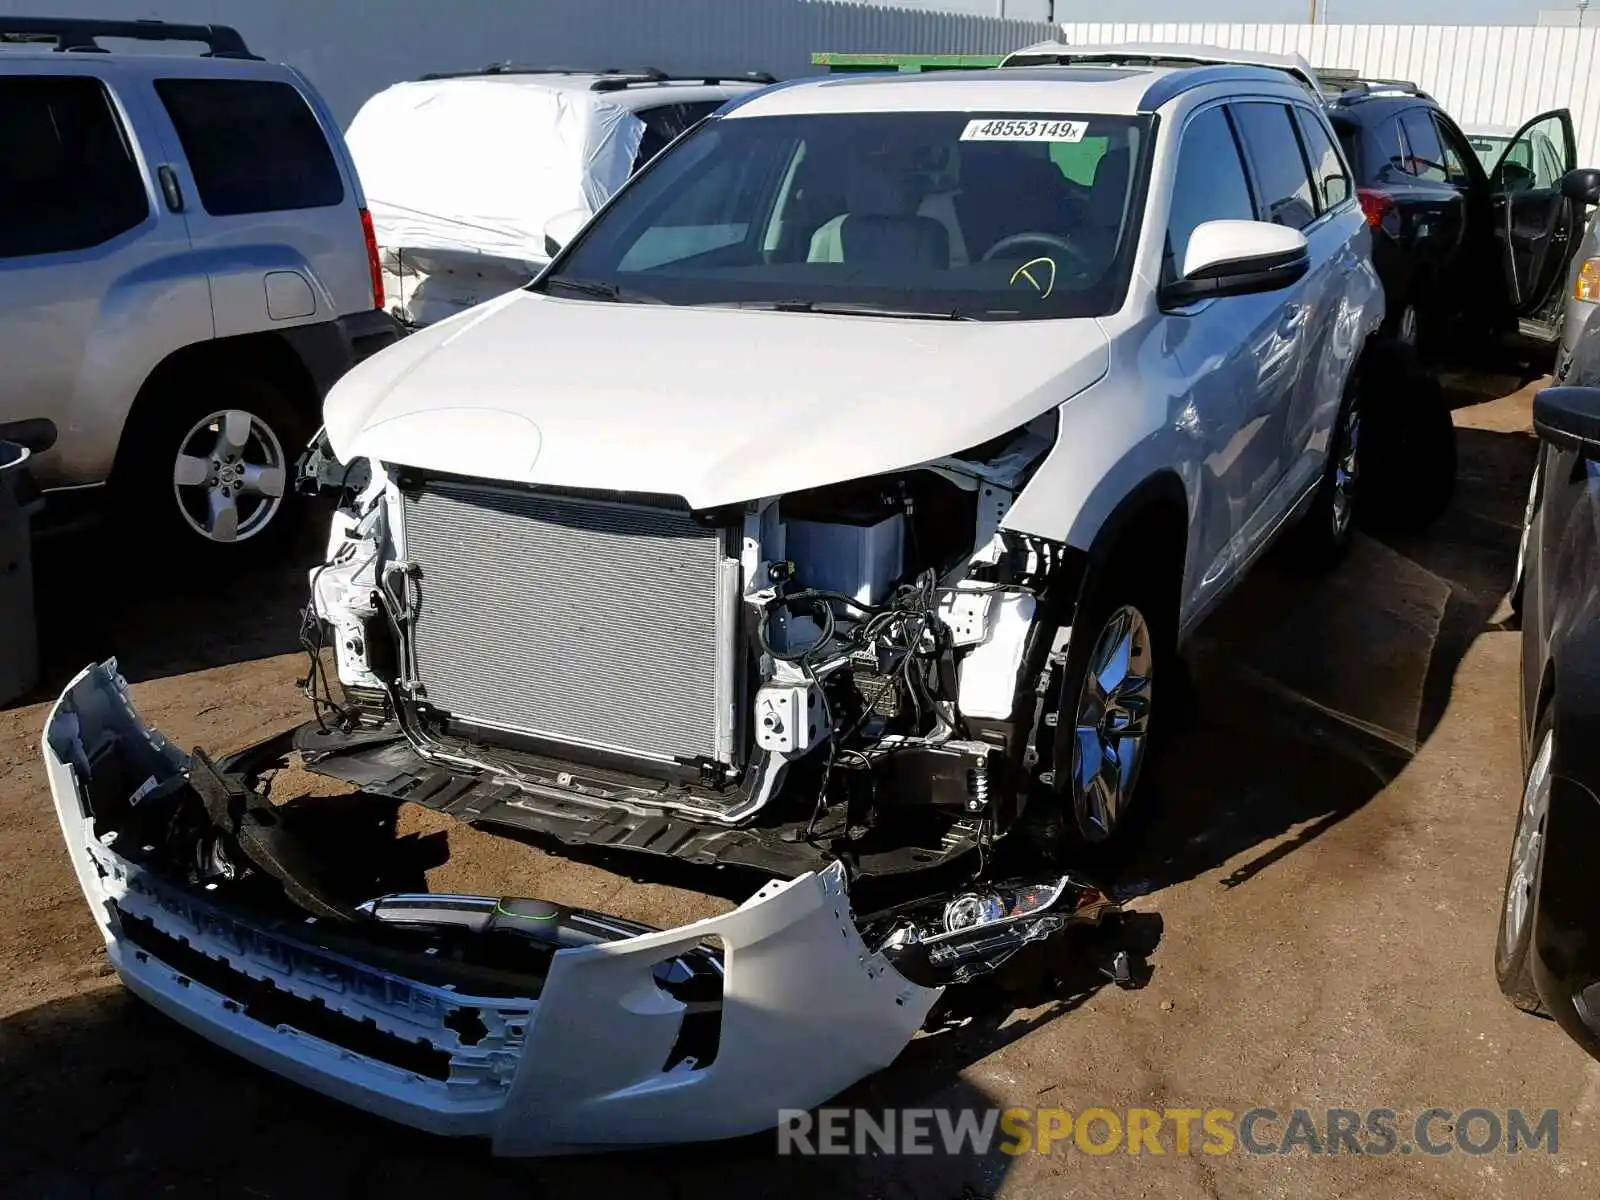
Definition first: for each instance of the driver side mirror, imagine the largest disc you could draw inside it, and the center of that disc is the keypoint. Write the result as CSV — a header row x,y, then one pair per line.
x,y
1582,185
560,229
1237,258
1569,417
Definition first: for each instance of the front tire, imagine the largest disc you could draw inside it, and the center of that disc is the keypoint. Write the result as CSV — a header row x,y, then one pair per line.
x,y
1513,951
210,464
1100,734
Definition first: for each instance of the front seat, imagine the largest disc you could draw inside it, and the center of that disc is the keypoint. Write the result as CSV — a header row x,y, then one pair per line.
x,y
1006,191
882,238
880,225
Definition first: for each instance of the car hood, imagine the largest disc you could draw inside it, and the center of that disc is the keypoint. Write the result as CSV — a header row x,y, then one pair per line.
x,y
715,405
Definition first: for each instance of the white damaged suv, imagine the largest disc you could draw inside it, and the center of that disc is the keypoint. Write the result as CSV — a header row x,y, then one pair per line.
x,y
834,504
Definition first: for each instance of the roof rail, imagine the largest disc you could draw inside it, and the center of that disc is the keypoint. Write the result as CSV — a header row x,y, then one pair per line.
x,y
615,83
1155,54
609,79
1341,83
78,34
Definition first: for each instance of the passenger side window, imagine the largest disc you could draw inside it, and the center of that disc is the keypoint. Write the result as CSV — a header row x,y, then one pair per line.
x,y
1426,157
1277,162
253,145
1387,161
1210,184
1327,172
1456,152
68,177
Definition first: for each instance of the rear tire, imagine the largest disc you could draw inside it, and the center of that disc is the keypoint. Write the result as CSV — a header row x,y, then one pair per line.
x,y
1513,951
1409,446
209,465
1322,538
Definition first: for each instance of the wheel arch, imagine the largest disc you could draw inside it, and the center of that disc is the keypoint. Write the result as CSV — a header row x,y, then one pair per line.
x,y
266,354
1146,532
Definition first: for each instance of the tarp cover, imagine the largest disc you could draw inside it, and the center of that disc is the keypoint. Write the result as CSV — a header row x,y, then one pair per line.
x,y
480,165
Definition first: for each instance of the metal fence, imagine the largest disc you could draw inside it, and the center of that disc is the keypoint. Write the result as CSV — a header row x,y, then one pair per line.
x,y
1482,74
353,48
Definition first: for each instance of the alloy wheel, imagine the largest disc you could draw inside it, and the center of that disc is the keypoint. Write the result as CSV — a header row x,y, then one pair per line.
x,y
1527,847
1347,472
229,476
1112,723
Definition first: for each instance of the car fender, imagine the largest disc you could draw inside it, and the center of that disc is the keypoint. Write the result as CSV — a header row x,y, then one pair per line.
x,y
146,314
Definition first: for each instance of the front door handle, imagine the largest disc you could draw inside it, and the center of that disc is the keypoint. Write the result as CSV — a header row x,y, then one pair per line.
x,y
170,191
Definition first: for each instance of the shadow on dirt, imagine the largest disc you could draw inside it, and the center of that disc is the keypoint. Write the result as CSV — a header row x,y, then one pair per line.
x,y
1312,694
108,1098
163,616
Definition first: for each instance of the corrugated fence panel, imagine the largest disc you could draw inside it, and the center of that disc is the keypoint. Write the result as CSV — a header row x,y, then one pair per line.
x,y
353,48
1483,74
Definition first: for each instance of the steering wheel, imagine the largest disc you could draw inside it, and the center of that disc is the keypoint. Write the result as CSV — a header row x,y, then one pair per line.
x,y
1052,240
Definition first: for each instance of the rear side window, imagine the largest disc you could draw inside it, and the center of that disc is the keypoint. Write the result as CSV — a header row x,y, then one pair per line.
x,y
68,177
1210,184
253,145
1327,172
1425,156
1282,180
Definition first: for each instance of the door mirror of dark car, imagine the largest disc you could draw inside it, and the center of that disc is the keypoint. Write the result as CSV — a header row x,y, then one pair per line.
x,y
1582,185
1569,417
1237,258
562,228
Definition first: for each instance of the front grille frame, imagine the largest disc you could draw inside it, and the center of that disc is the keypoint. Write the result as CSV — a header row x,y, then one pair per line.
x,y
721,684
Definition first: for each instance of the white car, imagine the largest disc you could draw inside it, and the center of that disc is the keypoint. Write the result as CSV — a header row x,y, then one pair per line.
x,y
834,505
463,171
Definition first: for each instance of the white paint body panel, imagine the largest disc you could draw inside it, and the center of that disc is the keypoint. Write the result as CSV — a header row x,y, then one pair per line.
x,y
1236,397
713,405
807,1010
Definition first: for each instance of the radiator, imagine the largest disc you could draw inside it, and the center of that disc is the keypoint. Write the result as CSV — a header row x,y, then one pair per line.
x,y
584,621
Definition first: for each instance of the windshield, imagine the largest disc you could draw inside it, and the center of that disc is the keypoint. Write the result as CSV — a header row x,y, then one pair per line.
x,y
917,214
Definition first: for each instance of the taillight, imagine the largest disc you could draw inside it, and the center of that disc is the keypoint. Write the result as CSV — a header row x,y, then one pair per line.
x,y
1376,203
373,263
1588,285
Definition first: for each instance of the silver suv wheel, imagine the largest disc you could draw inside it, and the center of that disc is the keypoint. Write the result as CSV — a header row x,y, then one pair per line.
x,y
1112,724
229,476
1347,471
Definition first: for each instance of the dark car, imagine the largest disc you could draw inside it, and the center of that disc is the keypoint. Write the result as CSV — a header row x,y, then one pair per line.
x,y
1547,956
1465,253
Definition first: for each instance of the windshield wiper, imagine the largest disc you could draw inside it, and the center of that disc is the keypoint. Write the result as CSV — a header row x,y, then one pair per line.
x,y
600,290
855,309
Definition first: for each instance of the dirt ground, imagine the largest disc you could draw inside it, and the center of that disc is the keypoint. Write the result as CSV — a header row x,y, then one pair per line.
x,y
1325,848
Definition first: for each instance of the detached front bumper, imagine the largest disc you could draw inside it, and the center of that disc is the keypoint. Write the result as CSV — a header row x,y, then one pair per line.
x,y
581,1063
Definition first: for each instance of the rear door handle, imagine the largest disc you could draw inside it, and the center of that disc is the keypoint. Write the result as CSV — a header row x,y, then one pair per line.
x,y
170,191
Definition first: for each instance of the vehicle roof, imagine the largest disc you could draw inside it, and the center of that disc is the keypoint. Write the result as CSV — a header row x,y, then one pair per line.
x,y
1168,54
48,62
627,92
1108,90
1357,110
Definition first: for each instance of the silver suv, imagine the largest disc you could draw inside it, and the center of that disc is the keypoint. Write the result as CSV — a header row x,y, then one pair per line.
x,y
186,266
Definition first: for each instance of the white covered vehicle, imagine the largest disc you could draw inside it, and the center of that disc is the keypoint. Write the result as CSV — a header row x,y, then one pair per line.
x,y
463,172
833,507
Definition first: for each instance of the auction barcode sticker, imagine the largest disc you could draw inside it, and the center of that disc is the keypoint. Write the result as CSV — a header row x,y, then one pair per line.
x,y
1009,130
